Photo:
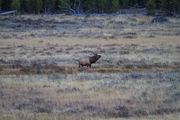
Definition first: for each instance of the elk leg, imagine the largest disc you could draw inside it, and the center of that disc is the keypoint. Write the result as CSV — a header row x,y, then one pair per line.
x,y
88,65
80,65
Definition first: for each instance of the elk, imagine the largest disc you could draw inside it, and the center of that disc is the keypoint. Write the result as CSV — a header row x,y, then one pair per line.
x,y
87,61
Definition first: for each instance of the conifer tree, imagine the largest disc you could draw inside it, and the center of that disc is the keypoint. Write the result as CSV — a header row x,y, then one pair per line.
x,y
124,3
0,4
6,5
150,6
24,6
48,5
115,5
168,7
16,5
34,6
178,6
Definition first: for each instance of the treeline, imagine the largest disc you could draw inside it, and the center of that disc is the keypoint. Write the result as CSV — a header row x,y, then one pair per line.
x,y
165,7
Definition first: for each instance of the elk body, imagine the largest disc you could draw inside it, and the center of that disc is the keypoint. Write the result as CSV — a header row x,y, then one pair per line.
x,y
88,60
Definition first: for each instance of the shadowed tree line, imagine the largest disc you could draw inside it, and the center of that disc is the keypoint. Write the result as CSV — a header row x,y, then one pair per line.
x,y
166,7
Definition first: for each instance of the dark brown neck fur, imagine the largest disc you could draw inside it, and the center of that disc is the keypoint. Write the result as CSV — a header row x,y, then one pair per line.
x,y
93,59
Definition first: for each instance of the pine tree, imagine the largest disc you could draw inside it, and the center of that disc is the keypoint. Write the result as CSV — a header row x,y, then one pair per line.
x,y
168,7
38,6
56,5
0,4
68,6
115,5
101,6
16,5
164,7
35,6
24,6
124,3
150,6
178,6
89,6
6,5
62,3
172,7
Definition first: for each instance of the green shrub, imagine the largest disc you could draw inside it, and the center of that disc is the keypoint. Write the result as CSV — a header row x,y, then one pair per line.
x,y
124,3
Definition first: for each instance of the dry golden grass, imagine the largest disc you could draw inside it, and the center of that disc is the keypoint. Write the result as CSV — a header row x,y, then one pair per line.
x,y
117,90
167,40
6,70
43,96
45,116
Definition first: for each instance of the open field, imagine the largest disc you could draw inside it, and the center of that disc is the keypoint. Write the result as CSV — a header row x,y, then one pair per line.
x,y
137,77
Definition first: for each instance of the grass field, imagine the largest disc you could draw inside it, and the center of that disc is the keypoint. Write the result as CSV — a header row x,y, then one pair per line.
x,y
137,77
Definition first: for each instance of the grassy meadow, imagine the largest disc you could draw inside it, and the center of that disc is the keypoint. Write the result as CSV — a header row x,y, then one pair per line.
x,y
137,77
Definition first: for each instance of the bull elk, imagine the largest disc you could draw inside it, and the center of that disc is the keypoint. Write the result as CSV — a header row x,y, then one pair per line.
x,y
87,61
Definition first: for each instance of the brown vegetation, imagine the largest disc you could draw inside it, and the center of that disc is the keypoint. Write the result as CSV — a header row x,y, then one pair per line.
x,y
137,76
